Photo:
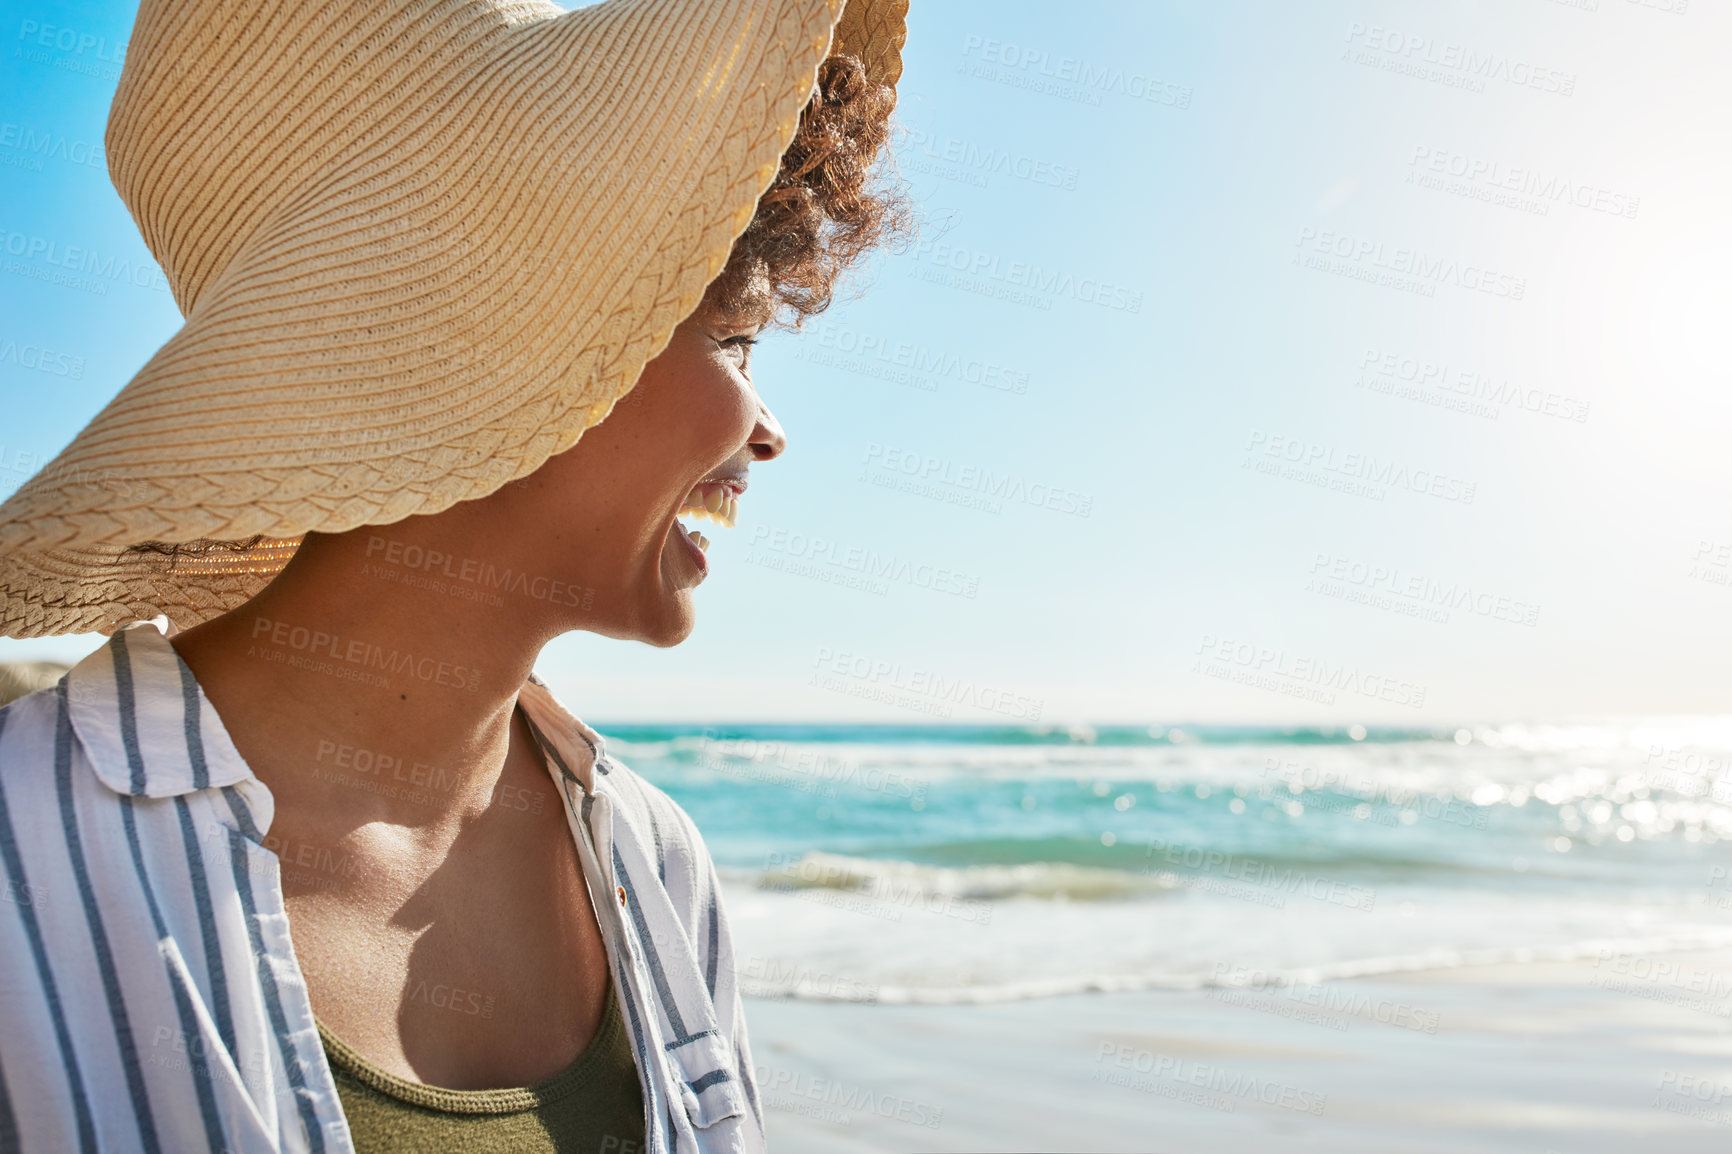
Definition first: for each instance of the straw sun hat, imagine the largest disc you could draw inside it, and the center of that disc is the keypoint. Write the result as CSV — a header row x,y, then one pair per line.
x,y
420,245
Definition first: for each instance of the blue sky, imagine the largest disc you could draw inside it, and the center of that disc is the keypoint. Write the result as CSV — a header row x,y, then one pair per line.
x,y
1338,361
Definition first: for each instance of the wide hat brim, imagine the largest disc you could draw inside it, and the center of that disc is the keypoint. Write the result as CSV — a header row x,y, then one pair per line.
x,y
420,248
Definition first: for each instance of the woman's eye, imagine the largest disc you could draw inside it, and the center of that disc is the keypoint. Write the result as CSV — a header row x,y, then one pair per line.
x,y
743,343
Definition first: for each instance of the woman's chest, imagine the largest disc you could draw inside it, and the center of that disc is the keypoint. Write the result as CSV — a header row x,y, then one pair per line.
x,y
476,974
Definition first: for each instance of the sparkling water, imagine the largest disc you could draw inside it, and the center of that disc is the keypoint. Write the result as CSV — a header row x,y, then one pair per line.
x,y
980,863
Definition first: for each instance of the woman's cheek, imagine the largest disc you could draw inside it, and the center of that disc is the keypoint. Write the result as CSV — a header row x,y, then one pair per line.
x,y
721,418
744,412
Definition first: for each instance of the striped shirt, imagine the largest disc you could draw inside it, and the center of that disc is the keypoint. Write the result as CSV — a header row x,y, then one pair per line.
x,y
149,996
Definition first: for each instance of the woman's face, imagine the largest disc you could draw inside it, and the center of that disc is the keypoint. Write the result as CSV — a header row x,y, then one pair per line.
x,y
604,517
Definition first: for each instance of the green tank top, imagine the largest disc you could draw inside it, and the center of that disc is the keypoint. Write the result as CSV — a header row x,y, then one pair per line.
x,y
593,1105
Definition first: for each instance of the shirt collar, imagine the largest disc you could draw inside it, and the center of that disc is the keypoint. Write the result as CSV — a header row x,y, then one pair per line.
x,y
574,750
146,725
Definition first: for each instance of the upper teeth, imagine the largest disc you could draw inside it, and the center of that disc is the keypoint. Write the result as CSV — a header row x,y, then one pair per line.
x,y
712,501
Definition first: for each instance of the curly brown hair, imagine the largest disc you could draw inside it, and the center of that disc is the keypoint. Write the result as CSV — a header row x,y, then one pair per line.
x,y
829,205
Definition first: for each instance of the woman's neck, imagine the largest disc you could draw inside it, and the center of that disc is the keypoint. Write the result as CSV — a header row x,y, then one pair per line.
x,y
353,685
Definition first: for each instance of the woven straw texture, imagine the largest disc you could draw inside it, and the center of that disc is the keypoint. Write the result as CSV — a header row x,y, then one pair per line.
x,y
420,245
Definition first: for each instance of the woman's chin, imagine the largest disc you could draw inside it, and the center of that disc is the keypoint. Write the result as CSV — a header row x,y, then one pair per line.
x,y
663,618
676,625
670,618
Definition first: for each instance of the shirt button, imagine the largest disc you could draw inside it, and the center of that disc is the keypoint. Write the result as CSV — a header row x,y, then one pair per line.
x,y
622,896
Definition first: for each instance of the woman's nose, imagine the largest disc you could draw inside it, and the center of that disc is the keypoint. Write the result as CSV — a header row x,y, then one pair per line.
x,y
768,441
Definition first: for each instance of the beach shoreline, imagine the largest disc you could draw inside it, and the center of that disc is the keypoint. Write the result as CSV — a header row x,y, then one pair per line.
x,y
1590,1055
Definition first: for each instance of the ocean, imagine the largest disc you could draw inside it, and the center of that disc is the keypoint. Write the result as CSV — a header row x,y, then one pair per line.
x,y
945,864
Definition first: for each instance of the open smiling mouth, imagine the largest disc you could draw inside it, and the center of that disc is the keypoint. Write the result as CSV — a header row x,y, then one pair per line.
x,y
714,500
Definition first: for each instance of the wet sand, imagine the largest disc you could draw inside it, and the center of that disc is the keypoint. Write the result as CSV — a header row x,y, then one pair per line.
x,y
1614,1055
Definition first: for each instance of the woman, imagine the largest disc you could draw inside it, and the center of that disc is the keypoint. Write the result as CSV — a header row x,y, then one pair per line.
x,y
328,868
